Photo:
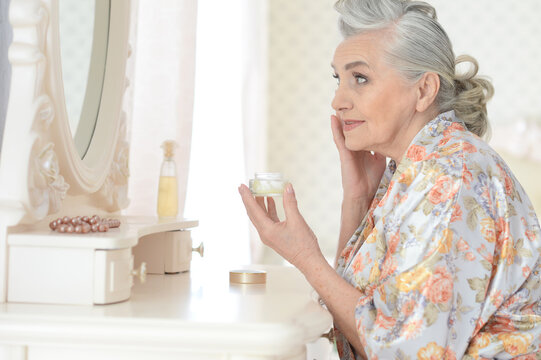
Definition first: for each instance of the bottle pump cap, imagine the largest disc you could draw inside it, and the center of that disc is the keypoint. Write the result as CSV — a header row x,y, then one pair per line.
x,y
168,147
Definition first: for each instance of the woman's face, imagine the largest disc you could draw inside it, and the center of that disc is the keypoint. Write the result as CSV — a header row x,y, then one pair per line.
x,y
375,104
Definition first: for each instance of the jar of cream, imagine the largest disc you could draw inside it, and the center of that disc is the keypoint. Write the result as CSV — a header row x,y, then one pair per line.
x,y
267,184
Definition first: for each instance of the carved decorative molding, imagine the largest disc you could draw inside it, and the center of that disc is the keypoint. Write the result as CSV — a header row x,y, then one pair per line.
x,y
44,111
55,187
29,118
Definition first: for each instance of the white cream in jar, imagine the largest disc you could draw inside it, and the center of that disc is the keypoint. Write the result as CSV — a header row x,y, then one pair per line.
x,y
267,184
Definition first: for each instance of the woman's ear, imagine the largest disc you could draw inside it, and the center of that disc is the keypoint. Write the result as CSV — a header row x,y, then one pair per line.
x,y
428,87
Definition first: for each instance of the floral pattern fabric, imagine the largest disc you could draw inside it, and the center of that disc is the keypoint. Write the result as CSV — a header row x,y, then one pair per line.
x,y
448,256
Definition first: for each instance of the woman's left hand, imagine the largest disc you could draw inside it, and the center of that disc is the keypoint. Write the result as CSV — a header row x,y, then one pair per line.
x,y
292,238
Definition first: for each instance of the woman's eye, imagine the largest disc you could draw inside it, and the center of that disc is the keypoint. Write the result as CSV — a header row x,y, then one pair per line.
x,y
337,79
359,79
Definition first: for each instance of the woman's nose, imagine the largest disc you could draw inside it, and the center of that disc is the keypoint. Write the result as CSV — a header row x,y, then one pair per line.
x,y
341,100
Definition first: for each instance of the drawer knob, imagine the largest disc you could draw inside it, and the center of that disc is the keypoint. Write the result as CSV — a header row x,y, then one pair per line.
x,y
200,249
141,273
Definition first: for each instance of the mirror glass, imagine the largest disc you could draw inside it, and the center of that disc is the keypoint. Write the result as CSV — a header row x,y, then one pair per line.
x,y
84,29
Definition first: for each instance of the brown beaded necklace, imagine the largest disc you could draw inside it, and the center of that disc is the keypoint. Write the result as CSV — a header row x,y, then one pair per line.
x,y
83,224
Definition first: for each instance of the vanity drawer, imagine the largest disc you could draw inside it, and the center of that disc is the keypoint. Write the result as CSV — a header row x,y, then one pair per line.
x,y
69,275
113,278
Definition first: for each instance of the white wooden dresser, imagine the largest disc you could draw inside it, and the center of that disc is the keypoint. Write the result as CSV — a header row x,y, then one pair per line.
x,y
192,315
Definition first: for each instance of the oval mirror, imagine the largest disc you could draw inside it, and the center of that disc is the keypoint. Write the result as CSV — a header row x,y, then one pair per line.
x,y
83,32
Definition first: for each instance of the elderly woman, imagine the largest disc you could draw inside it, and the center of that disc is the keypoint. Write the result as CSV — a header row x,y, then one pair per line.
x,y
439,250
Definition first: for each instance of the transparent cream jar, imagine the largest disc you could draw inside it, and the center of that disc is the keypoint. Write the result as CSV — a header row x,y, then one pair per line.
x,y
267,184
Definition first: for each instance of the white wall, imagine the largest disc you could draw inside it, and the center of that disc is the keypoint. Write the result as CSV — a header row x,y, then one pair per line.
x,y
503,36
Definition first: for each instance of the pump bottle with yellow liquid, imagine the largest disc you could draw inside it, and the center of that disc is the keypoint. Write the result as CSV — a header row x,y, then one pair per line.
x,y
167,190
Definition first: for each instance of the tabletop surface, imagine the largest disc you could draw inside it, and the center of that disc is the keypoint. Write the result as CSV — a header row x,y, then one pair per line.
x,y
131,229
180,305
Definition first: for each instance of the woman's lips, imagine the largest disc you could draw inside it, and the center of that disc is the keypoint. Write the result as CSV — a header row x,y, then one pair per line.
x,y
351,124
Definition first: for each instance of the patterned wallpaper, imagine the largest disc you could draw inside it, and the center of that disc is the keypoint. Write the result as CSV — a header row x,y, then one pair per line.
x,y
302,38
504,38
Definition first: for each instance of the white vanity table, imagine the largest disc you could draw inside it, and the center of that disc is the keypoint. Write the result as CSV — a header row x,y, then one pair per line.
x,y
53,165
192,315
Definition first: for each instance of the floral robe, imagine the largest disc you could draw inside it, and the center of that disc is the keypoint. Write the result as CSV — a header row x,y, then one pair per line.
x,y
447,257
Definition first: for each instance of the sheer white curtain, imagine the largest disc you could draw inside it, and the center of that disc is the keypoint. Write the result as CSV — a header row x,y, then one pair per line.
x,y
228,123
162,97
214,50
255,72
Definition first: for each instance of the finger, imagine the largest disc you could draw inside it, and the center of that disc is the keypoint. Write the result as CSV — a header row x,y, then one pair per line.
x,y
337,132
290,203
272,209
261,201
256,214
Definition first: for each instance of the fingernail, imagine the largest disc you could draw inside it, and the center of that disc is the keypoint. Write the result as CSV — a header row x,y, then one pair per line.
x,y
289,189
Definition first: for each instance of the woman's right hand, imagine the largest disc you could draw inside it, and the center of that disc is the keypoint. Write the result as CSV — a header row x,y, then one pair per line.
x,y
361,171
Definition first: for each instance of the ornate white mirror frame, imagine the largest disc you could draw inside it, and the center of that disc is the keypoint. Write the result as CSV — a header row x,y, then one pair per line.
x,y
41,172
38,143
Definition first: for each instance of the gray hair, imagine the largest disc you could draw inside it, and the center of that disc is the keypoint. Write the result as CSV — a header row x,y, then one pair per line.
x,y
421,45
